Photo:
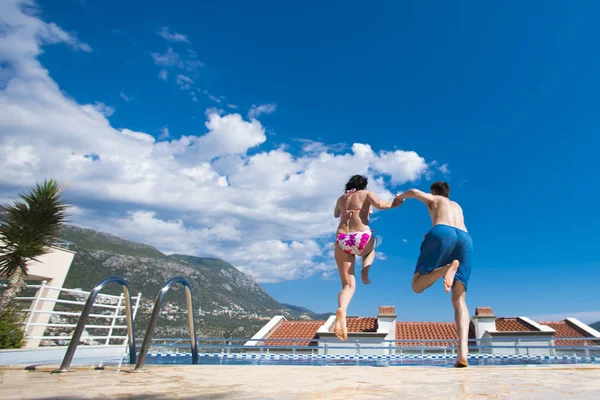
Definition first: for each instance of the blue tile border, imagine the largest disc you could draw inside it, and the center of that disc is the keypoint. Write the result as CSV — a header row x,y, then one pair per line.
x,y
379,357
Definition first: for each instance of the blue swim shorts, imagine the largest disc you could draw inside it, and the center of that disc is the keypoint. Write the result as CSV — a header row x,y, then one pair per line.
x,y
442,245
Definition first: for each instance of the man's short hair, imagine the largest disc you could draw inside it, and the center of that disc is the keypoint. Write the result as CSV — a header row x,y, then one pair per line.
x,y
440,189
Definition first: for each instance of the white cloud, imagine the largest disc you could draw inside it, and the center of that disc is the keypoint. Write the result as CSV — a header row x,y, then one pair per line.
x,y
214,110
184,82
164,132
316,147
444,169
214,98
232,106
402,166
172,59
163,74
51,34
105,110
274,260
168,59
192,65
228,134
172,37
256,111
405,241
125,97
140,136
266,211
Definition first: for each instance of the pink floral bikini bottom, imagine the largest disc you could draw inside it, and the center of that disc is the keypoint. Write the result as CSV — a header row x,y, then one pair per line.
x,y
353,242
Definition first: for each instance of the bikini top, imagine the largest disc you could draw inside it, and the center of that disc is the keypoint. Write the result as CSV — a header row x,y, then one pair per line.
x,y
350,193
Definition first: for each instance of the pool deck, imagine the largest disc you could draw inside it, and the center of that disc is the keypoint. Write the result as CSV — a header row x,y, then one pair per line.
x,y
299,382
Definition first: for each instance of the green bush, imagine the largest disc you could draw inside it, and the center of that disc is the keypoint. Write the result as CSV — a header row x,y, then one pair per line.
x,y
11,330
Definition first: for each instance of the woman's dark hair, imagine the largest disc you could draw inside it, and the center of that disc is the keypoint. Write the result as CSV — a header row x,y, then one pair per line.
x,y
440,189
357,182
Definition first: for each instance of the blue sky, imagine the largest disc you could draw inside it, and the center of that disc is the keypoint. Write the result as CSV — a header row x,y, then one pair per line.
x,y
504,94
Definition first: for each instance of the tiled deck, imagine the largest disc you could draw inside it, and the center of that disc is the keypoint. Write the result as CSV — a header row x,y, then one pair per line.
x,y
275,382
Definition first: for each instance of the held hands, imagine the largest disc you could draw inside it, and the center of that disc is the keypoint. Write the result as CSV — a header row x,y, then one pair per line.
x,y
397,201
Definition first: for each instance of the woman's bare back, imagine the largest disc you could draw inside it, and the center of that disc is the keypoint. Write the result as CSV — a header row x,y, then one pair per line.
x,y
354,208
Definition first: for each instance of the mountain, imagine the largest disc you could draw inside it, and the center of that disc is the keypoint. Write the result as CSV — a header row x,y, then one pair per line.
x,y
228,302
306,312
596,325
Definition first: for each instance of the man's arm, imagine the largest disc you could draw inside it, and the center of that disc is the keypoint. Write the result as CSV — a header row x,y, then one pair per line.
x,y
378,203
415,194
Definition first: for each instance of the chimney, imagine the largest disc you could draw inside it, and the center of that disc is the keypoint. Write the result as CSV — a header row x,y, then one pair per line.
x,y
387,311
483,321
386,322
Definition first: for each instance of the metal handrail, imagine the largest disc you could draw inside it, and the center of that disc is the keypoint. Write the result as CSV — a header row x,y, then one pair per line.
x,y
155,313
589,345
290,339
61,244
60,289
66,363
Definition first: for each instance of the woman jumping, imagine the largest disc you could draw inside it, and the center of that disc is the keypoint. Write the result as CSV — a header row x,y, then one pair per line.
x,y
353,238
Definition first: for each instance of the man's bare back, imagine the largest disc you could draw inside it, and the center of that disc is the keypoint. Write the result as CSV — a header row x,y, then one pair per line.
x,y
442,210
447,212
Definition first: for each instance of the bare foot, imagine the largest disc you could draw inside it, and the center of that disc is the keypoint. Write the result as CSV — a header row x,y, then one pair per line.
x,y
449,276
339,328
461,363
364,274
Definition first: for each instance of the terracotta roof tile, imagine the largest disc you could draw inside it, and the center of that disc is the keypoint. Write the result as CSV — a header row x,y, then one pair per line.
x,y
308,330
428,330
512,325
356,324
484,311
564,329
294,330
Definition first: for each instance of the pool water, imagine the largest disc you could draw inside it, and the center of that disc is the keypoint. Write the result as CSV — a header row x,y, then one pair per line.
x,y
352,360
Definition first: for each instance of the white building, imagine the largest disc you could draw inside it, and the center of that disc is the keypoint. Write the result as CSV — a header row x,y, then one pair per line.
x,y
53,268
384,335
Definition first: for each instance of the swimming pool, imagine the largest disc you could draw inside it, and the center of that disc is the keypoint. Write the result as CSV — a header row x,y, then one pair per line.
x,y
354,360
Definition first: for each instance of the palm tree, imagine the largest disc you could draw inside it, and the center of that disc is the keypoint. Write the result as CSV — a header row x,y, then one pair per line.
x,y
27,228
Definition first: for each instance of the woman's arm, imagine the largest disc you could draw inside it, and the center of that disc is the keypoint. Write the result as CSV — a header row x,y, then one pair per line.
x,y
378,203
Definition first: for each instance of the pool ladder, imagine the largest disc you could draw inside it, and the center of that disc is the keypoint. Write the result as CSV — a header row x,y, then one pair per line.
x,y
155,312
74,342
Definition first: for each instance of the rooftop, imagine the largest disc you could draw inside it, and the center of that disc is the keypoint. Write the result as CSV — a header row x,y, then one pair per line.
x,y
427,331
415,331
513,325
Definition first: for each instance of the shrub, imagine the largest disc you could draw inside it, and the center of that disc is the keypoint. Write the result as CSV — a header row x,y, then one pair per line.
x,y
11,330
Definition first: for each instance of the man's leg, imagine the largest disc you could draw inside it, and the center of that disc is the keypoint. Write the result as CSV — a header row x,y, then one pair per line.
x,y
461,317
423,281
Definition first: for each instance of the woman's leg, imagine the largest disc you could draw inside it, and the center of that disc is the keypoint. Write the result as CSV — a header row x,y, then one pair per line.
x,y
368,256
345,263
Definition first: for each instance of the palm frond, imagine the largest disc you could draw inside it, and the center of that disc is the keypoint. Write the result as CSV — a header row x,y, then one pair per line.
x,y
29,225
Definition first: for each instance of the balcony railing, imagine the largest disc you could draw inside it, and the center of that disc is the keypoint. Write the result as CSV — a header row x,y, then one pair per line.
x,y
109,315
61,244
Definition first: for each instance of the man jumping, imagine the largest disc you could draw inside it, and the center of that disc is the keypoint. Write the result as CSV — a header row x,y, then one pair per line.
x,y
446,252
